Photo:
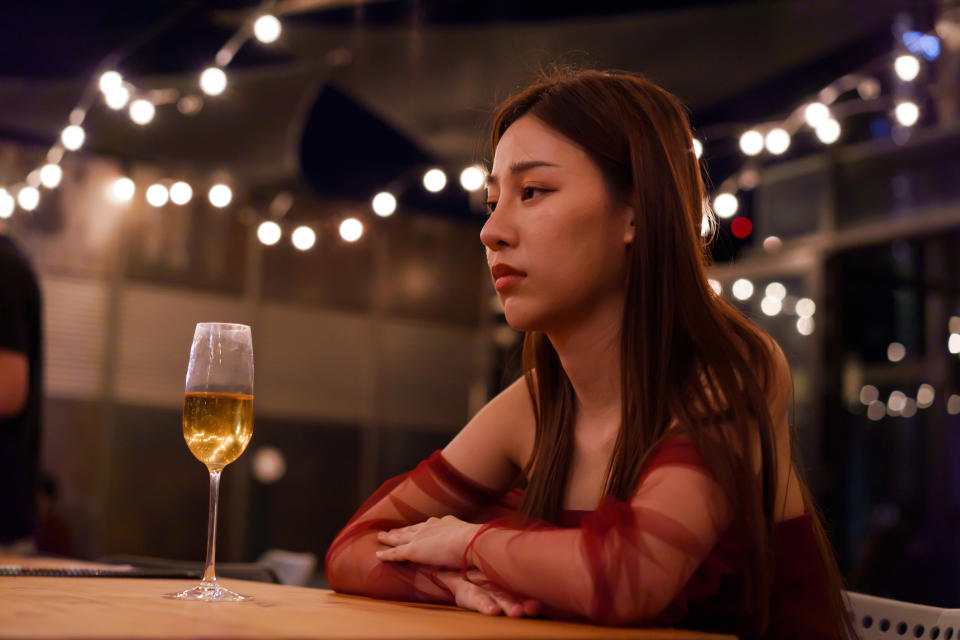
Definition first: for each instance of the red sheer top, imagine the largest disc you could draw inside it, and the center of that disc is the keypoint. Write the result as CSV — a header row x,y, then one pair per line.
x,y
666,556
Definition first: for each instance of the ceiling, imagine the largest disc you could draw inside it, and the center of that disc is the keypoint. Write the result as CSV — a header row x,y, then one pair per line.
x,y
356,95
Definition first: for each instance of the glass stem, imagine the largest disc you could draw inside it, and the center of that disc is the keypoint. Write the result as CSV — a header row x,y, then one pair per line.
x,y
208,572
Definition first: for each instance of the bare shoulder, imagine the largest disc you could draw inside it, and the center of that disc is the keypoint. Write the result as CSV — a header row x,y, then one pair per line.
x,y
490,448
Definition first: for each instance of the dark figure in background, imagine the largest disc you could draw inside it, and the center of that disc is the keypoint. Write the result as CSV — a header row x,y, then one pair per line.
x,y
21,382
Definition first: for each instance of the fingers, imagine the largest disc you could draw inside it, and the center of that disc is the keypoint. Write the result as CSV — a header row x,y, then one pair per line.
x,y
477,599
393,537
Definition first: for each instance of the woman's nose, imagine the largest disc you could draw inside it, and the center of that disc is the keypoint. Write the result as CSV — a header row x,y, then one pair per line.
x,y
498,233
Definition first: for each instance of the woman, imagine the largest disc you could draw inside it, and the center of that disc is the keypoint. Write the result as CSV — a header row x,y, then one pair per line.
x,y
650,427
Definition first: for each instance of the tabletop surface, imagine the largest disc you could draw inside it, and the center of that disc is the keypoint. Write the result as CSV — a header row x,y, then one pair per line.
x,y
46,607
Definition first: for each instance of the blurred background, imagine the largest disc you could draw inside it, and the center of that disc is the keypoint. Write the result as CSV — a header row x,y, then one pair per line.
x,y
315,173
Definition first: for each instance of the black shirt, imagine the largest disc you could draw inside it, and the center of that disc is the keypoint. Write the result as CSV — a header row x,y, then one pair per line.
x,y
20,330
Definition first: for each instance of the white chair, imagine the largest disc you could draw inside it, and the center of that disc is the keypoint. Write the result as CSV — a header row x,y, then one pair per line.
x,y
877,618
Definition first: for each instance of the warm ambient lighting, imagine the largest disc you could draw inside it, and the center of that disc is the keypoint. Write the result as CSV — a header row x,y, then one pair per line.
x,y
142,111
816,113
907,67
471,178
28,198
213,81
220,195
742,289
896,352
725,205
303,238
157,195
828,131
351,229
267,29
269,233
7,204
434,180
180,192
384,204
751,142
777,141
50,175
907,113
72,137
123,189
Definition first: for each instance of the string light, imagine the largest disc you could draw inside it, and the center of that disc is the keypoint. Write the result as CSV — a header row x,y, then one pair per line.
x,y
742,289
384,204
751,142
909,408
213,81
303,238
471,178
157,195
123,189
434,180
771,305
28,198
953,343
180,192
896,352
697,148
267,29
50,175
110,81
953,404
805,325
777,141
351,229
725,205
828,131
907,113
806,308
118,98
72,137
269,233
716,286
925,395
869,394
142,111
907,67
220,195
876,411
776,290
896,402
7,204
816,113
772,244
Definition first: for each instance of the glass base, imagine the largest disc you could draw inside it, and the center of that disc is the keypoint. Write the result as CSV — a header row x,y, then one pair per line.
x,y
208,592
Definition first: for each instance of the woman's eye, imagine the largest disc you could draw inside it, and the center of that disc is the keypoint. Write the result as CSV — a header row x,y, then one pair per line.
x,y
529,192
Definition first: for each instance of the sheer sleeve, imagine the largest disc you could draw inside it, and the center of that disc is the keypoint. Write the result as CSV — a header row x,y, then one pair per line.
x,y
627,560
433,488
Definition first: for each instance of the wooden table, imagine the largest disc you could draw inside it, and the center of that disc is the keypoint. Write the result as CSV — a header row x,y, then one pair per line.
x,y
42,607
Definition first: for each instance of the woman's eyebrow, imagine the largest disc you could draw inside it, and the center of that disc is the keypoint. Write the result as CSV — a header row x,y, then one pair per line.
x,y
520,167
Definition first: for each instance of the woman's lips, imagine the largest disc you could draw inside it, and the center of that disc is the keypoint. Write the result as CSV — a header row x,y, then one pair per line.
x,y
505,276
507,281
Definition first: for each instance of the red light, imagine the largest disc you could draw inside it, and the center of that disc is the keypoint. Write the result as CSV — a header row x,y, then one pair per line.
x,y
741,227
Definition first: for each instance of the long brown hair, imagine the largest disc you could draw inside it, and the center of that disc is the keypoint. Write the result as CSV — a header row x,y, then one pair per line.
x,y
687,356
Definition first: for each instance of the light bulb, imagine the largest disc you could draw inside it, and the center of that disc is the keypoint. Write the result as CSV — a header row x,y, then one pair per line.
x,y
742,289
434,180
751,142
28,198
213,81
303,238
266,29
123,189
384,204
220,195
471,178
72,137
7,204
828,131
351,229
777,141
50,175
269,233
157,195
907,67
907,113
816,113
180,192
142,111
117,98
725,205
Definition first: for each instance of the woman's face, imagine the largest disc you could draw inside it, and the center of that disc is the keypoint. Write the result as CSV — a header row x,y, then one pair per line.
x,y
556,238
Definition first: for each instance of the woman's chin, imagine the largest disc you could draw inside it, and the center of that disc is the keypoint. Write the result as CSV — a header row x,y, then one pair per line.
x,y
520,317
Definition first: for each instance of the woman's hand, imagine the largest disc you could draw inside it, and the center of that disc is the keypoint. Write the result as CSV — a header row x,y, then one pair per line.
x,y
438,541
485,598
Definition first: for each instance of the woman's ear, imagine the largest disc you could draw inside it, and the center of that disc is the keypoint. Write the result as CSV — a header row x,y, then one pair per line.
x,y
630,228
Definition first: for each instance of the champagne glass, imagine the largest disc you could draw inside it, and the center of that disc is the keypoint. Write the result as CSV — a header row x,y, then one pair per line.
x,y
217,424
